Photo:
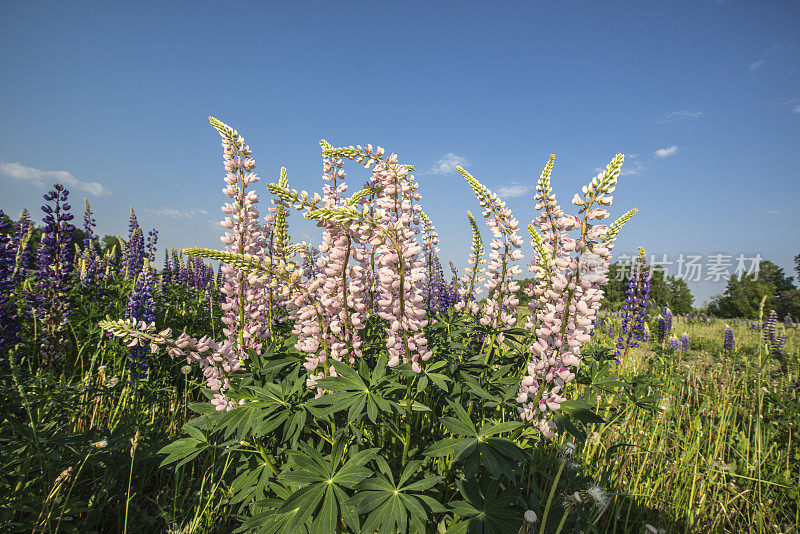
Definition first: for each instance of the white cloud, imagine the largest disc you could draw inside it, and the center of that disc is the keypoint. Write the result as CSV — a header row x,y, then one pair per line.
x,y
19,172
797,108
447,164
774,212
632,165
173,213
513,191
680,115
756,64
665,152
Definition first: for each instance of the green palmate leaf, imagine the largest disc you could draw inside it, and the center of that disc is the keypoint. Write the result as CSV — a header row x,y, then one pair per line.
x,y
395,506
485,508
467,426
354,394
252,484
322,481
442,447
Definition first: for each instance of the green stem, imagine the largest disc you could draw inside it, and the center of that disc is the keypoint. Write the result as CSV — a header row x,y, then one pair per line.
x,y
409,404
563,519
552,494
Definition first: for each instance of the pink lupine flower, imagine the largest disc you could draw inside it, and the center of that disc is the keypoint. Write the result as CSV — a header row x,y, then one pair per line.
x,y
567,292
500,308
399,265
246,304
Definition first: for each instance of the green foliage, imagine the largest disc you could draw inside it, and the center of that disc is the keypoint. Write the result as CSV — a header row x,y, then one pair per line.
x,y
741,298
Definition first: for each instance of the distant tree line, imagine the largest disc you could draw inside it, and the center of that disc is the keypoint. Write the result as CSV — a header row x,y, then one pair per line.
x,y
742,297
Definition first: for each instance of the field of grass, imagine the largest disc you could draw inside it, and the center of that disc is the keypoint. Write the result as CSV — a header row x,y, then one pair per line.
x,y
707,444
719,453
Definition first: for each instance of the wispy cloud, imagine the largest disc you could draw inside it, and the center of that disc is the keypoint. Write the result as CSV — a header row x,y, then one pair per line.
x,y
680,115
37,177
632,165
174,213
513,191
773,212
447,164
756,64
666,152
797,108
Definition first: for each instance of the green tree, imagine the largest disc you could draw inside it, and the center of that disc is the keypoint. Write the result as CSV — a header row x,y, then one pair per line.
x,y
680,297
742,297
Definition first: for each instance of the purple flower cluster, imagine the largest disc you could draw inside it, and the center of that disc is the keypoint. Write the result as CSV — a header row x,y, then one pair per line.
x,y
664,325
727,344
8,282
141,307
194,273
685,342
774,340
55,270
634,311
438,294
133,252
91,265
673,343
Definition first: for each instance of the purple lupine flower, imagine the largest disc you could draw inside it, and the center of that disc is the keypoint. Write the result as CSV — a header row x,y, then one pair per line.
x,y
91,268
88,224
136,254
673,343
178,273
8,281
141,307
152,241
774,340
664,325
685,342
634,311
727,344
166,273
55,269
769,326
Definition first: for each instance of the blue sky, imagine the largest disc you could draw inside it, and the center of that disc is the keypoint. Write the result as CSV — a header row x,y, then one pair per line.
x,y
703,97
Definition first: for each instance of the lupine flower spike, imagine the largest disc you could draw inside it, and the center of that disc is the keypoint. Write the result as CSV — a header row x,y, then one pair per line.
x,y
727,344
634,311
500,307
567,290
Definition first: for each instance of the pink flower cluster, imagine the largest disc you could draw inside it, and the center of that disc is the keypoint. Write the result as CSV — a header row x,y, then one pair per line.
x,y
400,267
246,304
567,292
500,309
332,311
215,360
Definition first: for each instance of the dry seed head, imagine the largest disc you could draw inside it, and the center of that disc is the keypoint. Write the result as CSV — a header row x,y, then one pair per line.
x,y
568,451
134,442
